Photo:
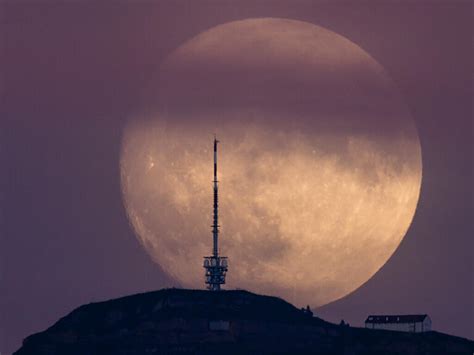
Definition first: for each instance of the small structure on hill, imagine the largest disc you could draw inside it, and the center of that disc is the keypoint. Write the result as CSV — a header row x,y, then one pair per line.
x,y
415,323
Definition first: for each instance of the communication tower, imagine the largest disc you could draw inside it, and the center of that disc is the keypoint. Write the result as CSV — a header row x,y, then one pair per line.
x,y
215,265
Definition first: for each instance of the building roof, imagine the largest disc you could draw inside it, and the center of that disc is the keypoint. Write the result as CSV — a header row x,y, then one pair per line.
x,y
406,318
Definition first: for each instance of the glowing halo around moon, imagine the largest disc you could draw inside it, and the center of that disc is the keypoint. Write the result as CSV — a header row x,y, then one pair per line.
x,y
320,161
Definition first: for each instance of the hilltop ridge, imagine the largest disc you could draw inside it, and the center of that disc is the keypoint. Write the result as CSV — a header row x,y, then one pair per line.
x,y
181,321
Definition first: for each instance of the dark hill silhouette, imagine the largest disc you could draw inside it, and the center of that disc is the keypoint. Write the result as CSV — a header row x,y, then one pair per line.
x,y
179,321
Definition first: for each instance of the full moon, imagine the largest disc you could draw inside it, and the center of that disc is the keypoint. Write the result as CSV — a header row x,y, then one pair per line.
x,y
319,162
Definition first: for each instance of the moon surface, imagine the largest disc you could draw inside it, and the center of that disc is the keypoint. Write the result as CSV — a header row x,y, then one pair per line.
x,y
319,161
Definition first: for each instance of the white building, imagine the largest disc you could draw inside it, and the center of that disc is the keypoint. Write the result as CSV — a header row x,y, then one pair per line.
x,y
415,323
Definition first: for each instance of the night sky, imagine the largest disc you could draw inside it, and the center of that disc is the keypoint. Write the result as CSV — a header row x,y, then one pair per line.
x,y
72,73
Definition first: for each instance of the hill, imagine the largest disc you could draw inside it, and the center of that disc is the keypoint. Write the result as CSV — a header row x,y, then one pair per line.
x,y
179,321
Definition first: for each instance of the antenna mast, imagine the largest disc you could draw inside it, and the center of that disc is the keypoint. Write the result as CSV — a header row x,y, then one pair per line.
x,y
215,265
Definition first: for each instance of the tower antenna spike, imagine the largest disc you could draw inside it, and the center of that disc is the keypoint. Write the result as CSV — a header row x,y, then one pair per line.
x,y
215,265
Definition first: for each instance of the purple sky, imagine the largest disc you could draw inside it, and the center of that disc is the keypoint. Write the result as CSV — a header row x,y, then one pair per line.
x,y
71,73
